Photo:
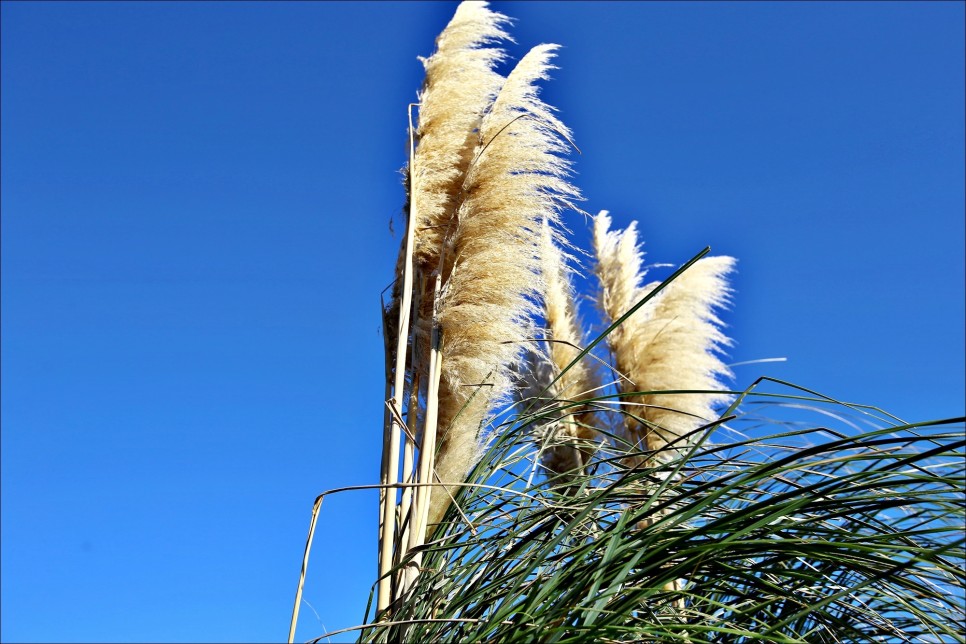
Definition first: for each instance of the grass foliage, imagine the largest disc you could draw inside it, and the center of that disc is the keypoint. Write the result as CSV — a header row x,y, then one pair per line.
x,y
794,531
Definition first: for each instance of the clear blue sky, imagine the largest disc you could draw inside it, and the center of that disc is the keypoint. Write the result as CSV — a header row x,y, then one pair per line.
x,y
195,209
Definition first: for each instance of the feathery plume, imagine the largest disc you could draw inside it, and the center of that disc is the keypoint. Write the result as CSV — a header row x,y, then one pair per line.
x,y
460,84
516,179
672,343
566,436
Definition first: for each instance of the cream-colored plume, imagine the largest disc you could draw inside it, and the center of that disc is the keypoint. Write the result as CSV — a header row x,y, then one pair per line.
x,y
460,84
516,179
566,435
671,343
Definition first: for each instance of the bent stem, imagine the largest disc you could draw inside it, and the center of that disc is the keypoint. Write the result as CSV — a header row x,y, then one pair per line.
x,y
305,566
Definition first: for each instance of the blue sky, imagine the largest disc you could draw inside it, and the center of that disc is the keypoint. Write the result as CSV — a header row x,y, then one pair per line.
x,y
196,201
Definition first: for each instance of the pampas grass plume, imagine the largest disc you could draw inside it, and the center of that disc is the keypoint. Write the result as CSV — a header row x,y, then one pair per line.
x,y
516,180
550,375
460,84
673,343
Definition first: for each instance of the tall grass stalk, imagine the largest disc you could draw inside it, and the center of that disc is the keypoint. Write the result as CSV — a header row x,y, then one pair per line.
x,y
393,431
427,453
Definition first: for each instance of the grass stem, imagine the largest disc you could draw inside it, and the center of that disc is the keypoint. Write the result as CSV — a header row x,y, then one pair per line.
x,y
387,541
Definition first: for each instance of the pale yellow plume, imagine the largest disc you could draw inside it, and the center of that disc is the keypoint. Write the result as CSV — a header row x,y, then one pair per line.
x,y
516,179
569,445
460,84
672,343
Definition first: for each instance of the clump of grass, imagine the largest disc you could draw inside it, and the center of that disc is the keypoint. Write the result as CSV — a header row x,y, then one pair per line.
x,y
663,516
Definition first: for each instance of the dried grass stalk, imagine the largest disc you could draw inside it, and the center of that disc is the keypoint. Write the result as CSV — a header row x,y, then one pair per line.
x,y
427,456
392,432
